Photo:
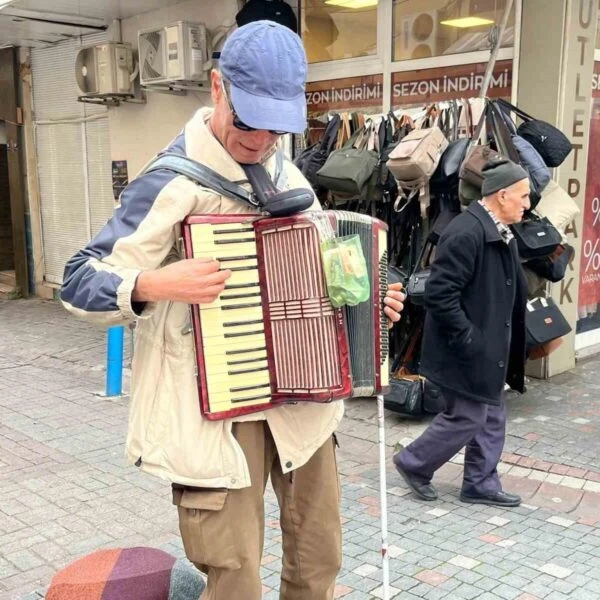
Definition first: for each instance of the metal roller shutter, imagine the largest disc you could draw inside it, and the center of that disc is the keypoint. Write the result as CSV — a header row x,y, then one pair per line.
x,y
73,152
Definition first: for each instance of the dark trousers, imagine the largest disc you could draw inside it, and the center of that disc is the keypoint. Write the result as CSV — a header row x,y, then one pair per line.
x,y
480,427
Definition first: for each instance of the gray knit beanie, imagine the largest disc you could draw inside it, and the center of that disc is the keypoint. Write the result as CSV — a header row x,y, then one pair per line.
x,y
500,173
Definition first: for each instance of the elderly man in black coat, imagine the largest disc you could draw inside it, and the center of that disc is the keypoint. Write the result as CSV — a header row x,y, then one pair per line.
x,y
474,340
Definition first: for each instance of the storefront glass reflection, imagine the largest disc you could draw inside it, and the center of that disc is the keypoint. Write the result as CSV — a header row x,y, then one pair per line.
x,y
428,28
338,29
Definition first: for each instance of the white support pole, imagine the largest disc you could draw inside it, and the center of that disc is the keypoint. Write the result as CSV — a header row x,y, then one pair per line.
x,y
385,559
487,78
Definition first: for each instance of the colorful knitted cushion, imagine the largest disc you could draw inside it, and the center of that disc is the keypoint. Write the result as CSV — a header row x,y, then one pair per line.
x,y
127,574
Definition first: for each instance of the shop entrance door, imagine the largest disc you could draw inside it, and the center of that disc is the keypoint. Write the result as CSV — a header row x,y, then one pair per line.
x,y
13,246
7,259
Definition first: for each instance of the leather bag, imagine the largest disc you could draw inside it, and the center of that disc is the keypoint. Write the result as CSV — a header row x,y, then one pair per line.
x,y
417,155
553,267
406,395
417,282
472,167
536,237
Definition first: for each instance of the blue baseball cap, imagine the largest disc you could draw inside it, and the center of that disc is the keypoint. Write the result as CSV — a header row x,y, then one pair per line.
x,y
265,65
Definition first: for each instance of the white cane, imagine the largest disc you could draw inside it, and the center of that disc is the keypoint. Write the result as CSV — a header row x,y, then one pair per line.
x,y
385,559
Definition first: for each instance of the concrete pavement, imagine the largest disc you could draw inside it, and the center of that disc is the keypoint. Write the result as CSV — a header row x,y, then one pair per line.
x,y
66,490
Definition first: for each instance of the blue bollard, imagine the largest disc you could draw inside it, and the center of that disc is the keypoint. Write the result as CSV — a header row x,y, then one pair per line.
x,y
114,361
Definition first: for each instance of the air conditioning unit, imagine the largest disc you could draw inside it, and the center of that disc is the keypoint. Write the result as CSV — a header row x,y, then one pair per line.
x,y
418,35
105,70
175,54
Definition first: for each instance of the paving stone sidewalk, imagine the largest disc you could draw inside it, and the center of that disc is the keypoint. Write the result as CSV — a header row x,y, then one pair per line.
x,y
66,490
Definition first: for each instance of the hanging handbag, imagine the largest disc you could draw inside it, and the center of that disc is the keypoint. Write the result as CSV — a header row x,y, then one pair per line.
x,y
536,237
553,267
521,152
551,143
417,282
314,157
558,206
544,322
347,170
477,156
417,155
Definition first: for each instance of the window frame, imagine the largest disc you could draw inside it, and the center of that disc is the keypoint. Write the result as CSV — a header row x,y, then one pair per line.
x,y
382,61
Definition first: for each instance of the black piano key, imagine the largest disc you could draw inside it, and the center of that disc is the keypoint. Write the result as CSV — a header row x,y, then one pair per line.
x,y
246,351
246,371
240,323
248,361
243,334
240,306
249,398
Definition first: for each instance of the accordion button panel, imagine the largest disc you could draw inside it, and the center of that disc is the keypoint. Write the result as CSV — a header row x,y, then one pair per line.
x,y
233,333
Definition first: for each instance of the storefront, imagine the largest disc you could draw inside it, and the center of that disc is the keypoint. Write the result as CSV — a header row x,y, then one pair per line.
x,y
376,56
373,57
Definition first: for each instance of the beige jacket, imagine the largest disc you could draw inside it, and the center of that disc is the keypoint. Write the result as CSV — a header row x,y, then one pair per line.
x,y
167,434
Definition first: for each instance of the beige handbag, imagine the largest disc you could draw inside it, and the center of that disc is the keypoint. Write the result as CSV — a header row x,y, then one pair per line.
x,y
556,204
417,155
413,161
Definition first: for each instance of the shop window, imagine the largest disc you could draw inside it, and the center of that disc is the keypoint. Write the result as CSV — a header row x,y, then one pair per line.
x,y
339,29
428,28
589,278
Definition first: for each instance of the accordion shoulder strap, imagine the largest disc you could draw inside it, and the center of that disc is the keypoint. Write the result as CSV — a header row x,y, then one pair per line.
x,y
201,174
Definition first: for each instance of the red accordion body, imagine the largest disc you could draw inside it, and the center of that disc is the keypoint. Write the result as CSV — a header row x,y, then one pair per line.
x,y
272,336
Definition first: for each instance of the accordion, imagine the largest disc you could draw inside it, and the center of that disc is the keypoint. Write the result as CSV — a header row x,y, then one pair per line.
x,y
273,336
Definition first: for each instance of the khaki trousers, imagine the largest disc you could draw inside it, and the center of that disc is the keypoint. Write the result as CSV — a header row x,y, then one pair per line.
x,y
223,530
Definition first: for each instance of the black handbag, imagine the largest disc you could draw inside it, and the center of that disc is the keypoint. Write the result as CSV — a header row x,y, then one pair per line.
x,y
553,267
415,289
405,395
544,322
551,143
452,158
314,157
536,237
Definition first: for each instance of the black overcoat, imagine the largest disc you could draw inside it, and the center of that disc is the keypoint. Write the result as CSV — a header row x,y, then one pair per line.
x,y
474,335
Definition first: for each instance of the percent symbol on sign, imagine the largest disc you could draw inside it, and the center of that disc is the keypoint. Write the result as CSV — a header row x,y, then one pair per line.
x,y
596,210
592,254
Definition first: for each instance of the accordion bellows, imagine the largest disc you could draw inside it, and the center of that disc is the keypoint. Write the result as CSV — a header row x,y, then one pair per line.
x,y
273,336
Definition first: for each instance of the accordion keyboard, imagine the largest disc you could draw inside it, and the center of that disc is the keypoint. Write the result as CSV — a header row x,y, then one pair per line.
x,y
233,332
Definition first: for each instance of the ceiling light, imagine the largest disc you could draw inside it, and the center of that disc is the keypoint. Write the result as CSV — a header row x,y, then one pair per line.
x,y
5,3
465,22
351,3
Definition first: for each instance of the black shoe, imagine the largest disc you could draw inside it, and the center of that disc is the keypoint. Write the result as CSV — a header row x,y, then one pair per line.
x,y
497,499
425,491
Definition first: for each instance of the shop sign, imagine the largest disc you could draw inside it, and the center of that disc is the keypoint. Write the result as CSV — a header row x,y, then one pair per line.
x,y
589,274
448,83
350,93
596,80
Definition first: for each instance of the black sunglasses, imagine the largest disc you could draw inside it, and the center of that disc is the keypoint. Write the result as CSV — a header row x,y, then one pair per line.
x,y
237,122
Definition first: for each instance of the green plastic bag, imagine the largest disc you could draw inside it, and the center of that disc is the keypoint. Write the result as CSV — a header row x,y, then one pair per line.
x,y
345,271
